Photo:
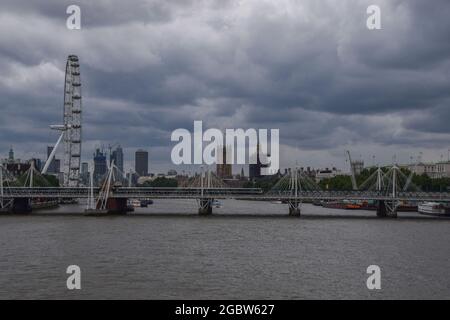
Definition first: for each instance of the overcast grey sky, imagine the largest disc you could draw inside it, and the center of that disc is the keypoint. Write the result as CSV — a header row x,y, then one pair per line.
x,y
308,67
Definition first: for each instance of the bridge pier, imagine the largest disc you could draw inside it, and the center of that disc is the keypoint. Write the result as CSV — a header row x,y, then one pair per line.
x,y
113,206
205,207
117,206
381,209
387,209
392,208
294,208
21,205
5,205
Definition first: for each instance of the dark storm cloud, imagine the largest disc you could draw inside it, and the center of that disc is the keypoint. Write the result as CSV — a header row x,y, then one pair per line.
x,y
97,13
435,120
419,41
310,68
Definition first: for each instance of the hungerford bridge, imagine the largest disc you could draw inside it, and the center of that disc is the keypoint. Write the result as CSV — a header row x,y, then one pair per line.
x,y
387,187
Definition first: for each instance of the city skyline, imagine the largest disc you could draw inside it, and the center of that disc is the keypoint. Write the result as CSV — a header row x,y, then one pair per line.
x,y
118,155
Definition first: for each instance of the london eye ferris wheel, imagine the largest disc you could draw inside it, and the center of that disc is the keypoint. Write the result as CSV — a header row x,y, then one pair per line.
x,y
71,127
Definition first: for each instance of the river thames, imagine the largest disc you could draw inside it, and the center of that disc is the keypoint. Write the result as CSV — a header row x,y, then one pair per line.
x,y
246,250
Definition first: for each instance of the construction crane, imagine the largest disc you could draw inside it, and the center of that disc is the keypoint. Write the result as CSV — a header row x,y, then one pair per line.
x,y
352,172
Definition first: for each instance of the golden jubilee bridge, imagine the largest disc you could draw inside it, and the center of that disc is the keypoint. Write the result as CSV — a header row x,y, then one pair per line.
x,y
387,188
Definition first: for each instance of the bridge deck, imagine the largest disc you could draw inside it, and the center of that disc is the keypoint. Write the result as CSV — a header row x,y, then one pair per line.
x,y
221,193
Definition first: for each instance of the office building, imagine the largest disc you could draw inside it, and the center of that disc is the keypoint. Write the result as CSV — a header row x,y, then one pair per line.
x,y
254,169
57,167
223,167
117,156
84,168
327,174
84,175
100,166
17,168
11,155
141,163
52,166
433,170
358,166
38,165
131,178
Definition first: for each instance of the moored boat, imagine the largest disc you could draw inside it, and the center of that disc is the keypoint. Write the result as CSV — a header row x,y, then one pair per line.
x,y
134,203
346,205
434,208
146,202
217,204
318,203
402,207
44,204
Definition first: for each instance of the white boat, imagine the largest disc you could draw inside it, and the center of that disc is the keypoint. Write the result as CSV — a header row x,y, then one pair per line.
x,y
434,208
217,204
134,203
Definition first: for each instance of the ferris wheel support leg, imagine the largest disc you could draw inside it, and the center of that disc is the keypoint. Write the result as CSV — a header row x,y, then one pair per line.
x,y
52,154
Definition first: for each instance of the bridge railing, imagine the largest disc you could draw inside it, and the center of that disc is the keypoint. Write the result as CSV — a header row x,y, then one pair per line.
x,y
190,191
49,192
360,195
133,192
194,192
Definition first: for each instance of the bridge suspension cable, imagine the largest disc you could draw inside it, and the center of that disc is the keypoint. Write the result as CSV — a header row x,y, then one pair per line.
x,y
34,178
352,172
294,182
5,191
91,200
206,179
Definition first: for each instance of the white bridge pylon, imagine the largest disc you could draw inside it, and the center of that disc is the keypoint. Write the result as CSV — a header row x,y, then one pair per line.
x,y
5,193
389,182
291,186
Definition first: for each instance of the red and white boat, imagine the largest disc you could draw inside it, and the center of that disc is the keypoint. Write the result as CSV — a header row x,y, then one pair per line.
x,y
434,208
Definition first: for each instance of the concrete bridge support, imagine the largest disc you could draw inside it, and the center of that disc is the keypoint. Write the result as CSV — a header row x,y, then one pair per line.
x,y
21,205
106,203
387,209
294,208
205,207
117,206
393,212
112,206
5,205
381,209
